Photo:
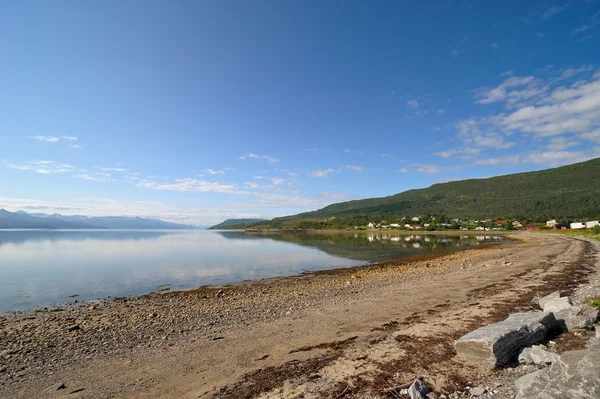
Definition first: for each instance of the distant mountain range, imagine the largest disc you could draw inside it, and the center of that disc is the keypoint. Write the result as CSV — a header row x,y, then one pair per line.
x,y
568,192
25,220
231,222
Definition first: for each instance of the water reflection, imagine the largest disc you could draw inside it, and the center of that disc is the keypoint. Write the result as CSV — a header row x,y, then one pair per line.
x,y
41,267
372,246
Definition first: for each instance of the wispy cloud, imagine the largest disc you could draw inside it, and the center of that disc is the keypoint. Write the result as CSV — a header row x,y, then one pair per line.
x,y
322,173
70,138
98,178
214,172
46,139
189,185
552,11
43,167
355,168
113,169
266,158
75,146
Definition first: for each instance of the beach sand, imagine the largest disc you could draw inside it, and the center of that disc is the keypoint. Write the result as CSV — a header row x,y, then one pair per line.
x,y
348,333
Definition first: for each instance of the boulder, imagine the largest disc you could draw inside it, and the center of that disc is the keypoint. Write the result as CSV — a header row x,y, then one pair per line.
x,y
542,301
498,344
537,355
578,317
558,304
575,375
418,389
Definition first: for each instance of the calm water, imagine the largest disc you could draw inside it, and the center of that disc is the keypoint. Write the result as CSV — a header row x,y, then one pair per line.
x,y
42,267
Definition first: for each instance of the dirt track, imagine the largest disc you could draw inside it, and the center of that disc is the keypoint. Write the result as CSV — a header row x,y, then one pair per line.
x,y
352,333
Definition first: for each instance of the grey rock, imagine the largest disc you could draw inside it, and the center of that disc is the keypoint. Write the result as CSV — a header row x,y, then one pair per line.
x,y
525,382
542,301
9,352
576,375
499,343
432,395
418,389
578,317
477,391
556,305
537,355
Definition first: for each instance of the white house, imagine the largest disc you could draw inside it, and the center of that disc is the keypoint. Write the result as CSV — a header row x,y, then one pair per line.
x,y
394,225
578,225
415,219
592,224
371,225
551,223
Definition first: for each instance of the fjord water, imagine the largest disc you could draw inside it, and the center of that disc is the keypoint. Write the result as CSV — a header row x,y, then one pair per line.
x,y
44,267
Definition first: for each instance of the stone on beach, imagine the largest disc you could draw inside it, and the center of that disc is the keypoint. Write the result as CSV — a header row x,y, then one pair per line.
x,y
418,389
578,317
574,375
499,343
541,302
556,305
537,355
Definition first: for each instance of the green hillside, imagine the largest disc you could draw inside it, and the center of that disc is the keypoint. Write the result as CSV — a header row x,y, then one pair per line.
x,y
233,222
567,192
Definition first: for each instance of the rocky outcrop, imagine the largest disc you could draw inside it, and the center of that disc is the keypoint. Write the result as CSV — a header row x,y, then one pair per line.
x,y
498,344
556,305
574,375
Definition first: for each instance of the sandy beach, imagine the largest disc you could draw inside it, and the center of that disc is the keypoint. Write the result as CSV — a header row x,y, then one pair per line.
x,y
348,333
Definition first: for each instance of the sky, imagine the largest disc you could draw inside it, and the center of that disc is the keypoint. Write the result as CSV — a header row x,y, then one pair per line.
x,y
198,111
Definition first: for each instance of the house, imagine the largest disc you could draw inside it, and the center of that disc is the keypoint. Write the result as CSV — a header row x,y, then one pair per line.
x,y
516,223
415,219
370,225
551,223
592,224
395,225
577,225
479,228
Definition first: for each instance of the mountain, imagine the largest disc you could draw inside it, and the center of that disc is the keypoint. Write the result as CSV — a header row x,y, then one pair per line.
x,y
232,222
567,192
24,220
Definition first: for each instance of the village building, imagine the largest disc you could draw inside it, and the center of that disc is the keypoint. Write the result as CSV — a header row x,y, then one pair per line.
x,y
577,225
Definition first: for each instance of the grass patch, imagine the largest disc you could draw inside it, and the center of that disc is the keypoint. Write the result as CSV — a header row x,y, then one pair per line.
x,y
595,302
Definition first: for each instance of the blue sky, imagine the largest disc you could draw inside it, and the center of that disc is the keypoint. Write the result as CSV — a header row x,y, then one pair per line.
x,y
197,111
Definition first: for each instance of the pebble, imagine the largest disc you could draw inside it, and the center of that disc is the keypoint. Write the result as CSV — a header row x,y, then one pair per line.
x,y
477,391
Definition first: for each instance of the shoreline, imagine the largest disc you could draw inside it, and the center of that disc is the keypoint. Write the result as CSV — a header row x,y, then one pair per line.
x,y
266,280
347,328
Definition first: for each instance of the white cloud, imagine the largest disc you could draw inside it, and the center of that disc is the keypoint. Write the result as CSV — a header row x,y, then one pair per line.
x,y
508,73
189,185
113,169
251,184
322,173
70,138
214,172
427,168
402,170
354,168
98,178
561,143
266,158
552,11
334,196
544,118
414,104
530,87
46,139
75,146
440,111
385,155
43,167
